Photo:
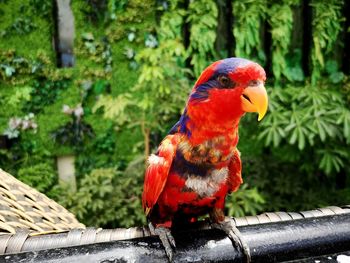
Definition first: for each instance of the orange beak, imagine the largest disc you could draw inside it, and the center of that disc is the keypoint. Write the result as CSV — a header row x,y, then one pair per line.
x,y
254,99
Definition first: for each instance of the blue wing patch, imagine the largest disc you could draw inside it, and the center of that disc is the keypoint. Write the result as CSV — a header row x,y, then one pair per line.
x,y
180,126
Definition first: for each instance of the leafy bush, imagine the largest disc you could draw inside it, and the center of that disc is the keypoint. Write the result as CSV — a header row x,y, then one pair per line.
x,y
280,18
245,201
107,197
41,176
74,132
311,119
202,16
246,29
326,28
44,92
300,155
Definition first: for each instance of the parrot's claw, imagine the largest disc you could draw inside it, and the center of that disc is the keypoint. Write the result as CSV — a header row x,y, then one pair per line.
x,y
166,238
229,227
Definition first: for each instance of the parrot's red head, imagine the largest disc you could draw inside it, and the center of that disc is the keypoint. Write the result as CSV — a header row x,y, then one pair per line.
x,y
223,93
231,87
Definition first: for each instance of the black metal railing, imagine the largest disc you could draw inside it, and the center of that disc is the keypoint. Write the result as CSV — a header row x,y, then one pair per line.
x,y
271,237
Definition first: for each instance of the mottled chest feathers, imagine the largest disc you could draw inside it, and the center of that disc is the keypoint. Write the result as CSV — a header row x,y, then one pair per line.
x,y
212,151
204,166
208,185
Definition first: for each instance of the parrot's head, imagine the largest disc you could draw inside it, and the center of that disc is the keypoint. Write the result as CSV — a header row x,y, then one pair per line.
x,y
227,89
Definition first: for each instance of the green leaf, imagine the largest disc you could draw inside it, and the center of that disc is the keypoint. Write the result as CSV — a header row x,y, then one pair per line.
x,y
293,138
88,36
301,138
321,131
9,71
21,94
331,67
336,77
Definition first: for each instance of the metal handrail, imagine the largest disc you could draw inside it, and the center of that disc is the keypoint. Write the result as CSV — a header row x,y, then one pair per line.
x,y
25,241
278,241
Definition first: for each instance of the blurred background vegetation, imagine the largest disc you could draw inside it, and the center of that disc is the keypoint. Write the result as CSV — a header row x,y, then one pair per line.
x,y
136,61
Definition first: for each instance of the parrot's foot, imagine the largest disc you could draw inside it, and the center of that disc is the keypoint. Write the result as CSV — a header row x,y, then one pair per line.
x,y
166,238
229,227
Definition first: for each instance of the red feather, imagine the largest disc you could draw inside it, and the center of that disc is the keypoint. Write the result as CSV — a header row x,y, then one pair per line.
x,y
235,169
157,171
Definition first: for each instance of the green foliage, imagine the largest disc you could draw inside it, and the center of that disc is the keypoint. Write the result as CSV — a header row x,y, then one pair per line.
x,y
245,201
96,10
12,64
105,142
335,75
41,7
22,94
160,91
98,51
41,176
20,26
281,22
308,116
162,83
44,93
116,108
326,25
247,28
121,189
103,11
203,20
73,133
294,72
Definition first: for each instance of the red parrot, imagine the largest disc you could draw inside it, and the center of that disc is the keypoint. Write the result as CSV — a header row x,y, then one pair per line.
x,y
198,163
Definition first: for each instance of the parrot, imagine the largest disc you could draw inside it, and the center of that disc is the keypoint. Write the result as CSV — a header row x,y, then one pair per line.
x,y
198,164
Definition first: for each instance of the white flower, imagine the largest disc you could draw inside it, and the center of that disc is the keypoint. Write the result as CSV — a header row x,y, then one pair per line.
x,y
79,111
25,124
14,123
66,109
11,134
34,125
131,36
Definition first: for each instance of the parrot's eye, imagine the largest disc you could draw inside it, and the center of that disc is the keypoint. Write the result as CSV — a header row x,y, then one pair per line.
x,y
225,82
254,83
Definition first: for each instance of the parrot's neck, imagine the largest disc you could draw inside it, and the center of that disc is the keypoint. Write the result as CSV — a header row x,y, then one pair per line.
x,y
209,119
211,146
204,131
201,128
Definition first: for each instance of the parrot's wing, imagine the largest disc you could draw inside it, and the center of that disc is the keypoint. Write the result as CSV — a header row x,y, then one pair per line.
x,y
235,168
157,171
